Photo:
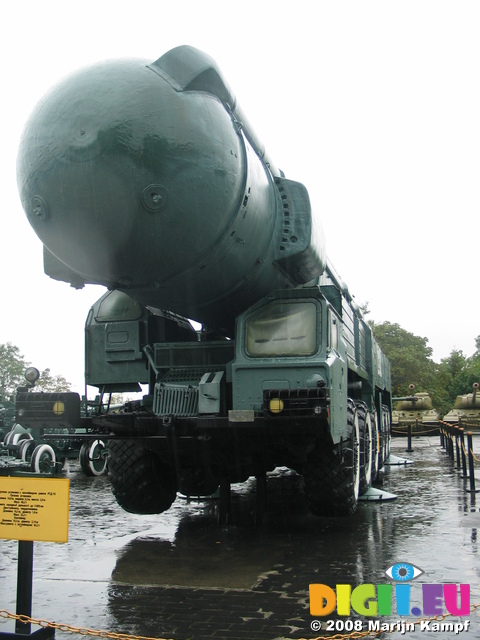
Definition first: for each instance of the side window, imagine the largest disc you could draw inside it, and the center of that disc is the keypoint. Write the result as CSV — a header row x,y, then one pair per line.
x,y
332,331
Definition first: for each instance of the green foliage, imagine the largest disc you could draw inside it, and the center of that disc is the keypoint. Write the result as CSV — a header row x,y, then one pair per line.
x,y
409,355
12,368
51,384
411,361
458,373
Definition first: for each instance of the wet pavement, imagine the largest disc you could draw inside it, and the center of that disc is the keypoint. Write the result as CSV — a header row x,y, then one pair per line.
x,y
180,575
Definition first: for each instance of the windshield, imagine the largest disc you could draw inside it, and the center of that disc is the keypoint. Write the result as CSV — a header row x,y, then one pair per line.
x,y
283,329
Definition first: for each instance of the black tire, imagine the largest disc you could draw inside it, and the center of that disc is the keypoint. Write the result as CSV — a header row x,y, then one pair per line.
x,y
387,431
8,437
93,458
366,446
25,449
376,447
197,482
384,430
43,459
16,441
332,474
141,483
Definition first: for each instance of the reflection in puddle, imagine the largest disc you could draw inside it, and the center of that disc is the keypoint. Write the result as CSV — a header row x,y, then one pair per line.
x,y
181,575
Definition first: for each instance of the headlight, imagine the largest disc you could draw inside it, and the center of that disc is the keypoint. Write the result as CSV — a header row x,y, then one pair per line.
x,y
275,405
32,375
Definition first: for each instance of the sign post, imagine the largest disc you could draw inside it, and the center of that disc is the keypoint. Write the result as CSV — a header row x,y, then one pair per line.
x,y
32,509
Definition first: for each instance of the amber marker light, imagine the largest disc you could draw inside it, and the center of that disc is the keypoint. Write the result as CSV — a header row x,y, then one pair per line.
x,y
276,405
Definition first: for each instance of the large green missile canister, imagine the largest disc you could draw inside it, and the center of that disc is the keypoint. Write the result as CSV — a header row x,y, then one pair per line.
x,y
146,177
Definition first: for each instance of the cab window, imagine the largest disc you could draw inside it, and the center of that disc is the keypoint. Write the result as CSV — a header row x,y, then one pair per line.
x,y
282,329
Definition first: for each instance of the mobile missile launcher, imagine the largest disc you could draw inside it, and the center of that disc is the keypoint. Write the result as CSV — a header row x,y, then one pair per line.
x,y
466,409
147,178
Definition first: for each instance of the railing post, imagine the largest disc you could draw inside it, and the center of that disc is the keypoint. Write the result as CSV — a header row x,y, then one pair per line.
x,y
471,469
409,438
24,585
464,458
457,448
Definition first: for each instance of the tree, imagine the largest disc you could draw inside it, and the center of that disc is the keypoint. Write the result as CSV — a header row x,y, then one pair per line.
x,y
451,374
410,359
12,367
459,373
51,384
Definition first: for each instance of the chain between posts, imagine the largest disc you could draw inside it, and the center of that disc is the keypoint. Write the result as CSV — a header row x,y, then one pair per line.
x,y
447,434
70,629
465,453
422,432
124,636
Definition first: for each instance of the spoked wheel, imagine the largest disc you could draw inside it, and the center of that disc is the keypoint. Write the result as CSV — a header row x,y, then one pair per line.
x,y
43,459
332,474
93,458
366,446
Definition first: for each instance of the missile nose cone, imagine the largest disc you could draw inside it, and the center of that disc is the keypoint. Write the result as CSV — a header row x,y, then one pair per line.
x,y
147,178
117,167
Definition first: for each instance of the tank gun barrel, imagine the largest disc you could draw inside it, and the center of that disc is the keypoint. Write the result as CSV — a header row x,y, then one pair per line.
x,y
474,393
147,178
410,398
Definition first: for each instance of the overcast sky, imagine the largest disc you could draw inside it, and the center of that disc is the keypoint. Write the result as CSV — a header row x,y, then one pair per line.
x,y
374,106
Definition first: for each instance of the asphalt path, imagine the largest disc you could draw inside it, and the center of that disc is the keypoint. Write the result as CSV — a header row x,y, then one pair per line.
x,y
181,575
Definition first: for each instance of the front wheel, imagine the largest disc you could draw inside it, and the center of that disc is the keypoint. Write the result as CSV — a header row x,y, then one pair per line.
x,y
332,473
43,459
141,483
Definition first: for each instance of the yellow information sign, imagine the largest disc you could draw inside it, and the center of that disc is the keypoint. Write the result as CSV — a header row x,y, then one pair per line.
x,y
33,508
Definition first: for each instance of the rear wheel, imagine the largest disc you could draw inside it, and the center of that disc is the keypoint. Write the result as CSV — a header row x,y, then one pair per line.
x,y
141,483
25,449
197,482
332,474
376,447
366,446
387,430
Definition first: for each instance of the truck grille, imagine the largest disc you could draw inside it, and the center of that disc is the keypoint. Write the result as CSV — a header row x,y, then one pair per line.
x,y
176,401
296,401
177,393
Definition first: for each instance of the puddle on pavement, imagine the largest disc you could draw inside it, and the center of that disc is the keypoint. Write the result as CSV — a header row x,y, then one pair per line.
x,y
204,554
112,556
204,562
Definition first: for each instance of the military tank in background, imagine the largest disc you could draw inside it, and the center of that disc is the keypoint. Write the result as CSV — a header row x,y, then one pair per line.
x,y
466,410
416,411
